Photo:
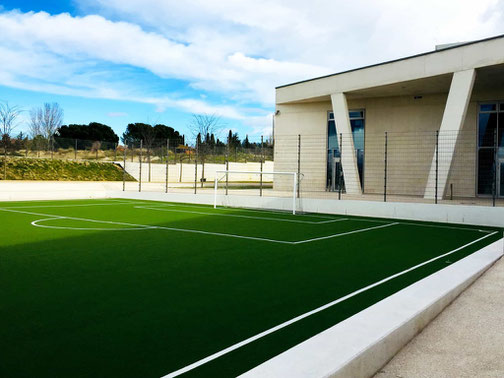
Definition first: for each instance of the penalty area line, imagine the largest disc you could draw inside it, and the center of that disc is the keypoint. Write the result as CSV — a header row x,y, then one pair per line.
x,y
240,216
153,227
307,314
345,233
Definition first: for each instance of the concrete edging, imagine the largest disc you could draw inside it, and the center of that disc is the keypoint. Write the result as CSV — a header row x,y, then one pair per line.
x,y
360,345
461,214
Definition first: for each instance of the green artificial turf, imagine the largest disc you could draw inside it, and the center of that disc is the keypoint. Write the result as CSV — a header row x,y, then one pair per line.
x,y
127,302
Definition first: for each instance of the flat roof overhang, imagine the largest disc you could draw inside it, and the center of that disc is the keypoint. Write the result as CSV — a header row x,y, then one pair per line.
x,y
423,74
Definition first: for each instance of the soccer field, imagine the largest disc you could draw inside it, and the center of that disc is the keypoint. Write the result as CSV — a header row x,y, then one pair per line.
x,y
130,288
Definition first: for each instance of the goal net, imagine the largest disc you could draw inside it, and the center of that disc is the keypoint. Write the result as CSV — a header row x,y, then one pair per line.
x,y
268,190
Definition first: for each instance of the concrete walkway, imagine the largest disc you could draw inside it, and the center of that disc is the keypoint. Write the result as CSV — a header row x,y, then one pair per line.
x,y
465,340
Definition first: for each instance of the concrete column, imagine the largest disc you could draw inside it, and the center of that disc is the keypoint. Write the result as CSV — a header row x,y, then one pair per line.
x,y
453,119
348,156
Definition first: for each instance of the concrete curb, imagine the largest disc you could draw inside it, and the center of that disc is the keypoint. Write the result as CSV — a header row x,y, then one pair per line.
x,y
460,214
360,345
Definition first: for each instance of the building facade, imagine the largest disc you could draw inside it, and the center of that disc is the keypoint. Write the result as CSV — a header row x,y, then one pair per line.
x,y
427,125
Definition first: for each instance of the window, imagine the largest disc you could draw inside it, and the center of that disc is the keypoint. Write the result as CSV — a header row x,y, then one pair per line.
x,y
357,123
490,137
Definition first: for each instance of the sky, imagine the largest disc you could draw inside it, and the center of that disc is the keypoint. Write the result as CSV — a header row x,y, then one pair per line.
x,y
160,61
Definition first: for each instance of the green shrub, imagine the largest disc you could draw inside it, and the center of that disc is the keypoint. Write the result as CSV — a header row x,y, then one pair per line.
x,y
61,170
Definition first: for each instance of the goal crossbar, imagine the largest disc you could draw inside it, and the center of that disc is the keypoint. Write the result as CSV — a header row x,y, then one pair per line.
x,y
293,174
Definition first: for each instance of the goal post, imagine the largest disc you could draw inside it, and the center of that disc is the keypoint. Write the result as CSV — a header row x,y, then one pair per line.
x,y
220,174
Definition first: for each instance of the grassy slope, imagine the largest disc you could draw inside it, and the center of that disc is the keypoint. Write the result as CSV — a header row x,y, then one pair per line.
x,y
145,303
61,170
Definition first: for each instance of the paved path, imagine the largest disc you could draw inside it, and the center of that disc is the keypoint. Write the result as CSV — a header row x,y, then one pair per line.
x,y
465,340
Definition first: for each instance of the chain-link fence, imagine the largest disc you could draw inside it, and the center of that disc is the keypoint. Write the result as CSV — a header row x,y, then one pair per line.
x,y
170,165
432,167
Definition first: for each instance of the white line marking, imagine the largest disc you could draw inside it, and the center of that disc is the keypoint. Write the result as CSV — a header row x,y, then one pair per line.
x,y
37,222
151,227
76,205
286,212
190,230
161,205
305,315
441,226
345,233
241,216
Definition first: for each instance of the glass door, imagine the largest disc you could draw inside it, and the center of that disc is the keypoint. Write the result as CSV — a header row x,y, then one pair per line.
x,y
335,178
500,178
490,138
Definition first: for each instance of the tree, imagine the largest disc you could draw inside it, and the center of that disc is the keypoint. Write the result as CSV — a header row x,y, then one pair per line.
x,y
8,118
164,132
148,136
47,119
135,132
204,124
246,143
8,122
233,142
92,132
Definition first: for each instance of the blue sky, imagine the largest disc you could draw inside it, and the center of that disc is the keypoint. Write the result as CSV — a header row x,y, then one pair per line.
x,y
160,61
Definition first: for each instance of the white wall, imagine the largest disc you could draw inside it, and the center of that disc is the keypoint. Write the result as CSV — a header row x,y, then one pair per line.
x,y
54,190
461,214
18,190
158,171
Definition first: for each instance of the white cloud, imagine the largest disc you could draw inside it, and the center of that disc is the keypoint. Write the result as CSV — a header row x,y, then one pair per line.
x,y
90,38
235,50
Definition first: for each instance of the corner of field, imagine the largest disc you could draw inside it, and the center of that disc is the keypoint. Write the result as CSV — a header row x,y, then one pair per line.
x,y
360,345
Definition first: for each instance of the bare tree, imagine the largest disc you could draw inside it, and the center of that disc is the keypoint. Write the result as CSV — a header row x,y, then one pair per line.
x,y
148,136
8,122
205,124
8,117
46,120
202,126
35,125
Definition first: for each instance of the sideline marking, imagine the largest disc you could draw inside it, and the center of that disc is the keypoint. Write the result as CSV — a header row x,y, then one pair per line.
x,y
76,205
242,216
151,227
36,224
306,314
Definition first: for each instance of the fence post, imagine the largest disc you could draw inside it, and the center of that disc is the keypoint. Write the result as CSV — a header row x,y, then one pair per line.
x,y
167,161
494,173
51,141
149,160
75,150
262,157
340,170
196,168
115,151
437,167
181,158
140,169
299,166
227,165
124,167
385,177
5,160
